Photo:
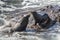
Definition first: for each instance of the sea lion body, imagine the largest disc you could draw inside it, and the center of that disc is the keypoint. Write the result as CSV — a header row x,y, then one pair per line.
x,y
22,26
44,21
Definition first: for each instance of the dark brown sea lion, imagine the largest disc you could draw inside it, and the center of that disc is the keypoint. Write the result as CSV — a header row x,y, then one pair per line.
x,y
22,26
44,21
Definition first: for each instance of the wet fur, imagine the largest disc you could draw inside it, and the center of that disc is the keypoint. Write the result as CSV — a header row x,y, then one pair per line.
x,y
22,26
41,20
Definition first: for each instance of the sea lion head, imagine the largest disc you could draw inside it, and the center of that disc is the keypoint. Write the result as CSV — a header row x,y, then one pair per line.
x,y
26,16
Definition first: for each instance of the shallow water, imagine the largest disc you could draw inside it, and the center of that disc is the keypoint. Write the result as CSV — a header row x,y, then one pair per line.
x,y
32,36
52,34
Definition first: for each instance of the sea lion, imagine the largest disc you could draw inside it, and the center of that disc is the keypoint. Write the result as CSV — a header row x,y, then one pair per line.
x,y
44,21
37,17
22,26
